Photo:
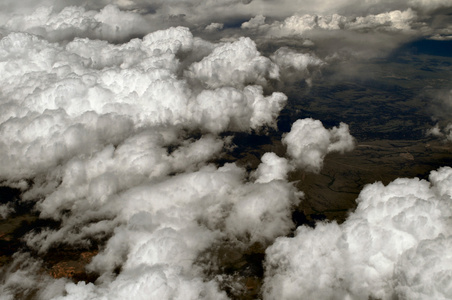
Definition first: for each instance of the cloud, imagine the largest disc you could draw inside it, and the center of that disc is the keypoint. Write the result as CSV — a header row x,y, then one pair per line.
x,y
161,14
109,23
214,27
421,270
308,142
349,34
34,143
272,168
237,110
378,252
23,276
394,20
91,93
445,132
294,65
441,108
254,23
94,196
435,131
160,226
115,130
117,142
429,5
6,210
235,64
299,25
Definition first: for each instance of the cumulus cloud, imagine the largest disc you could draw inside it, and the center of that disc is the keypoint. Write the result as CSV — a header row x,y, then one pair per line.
x,y
117,139
109,23
214,27
445,133
346,36
158,227
113,129
201,185
421,271
391,246
394,20
6,210
308,142
441,113
238,110
299,25
448,132
429,5
254,23
90,93
238,64
295,65
24,275
164,14
272,167
194,12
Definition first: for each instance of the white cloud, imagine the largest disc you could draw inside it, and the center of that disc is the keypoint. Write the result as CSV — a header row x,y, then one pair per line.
x,y
214,27
90,93
23,275
421,270
6,210
160,226
308,142
393,245
160,14
117,140
394,20
235,64
144,282
272,167
448,131
435,131
294,65
109,23
237,110
104,131
442,129
445,132
286,58
301,25
254,23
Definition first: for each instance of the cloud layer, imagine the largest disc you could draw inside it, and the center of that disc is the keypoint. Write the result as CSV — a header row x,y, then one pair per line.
x,y
115,141
115,116
62,101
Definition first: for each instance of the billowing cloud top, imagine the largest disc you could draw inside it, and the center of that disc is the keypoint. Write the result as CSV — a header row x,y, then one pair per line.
x,y
104,132
238,64
391,246
308,142
64,100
